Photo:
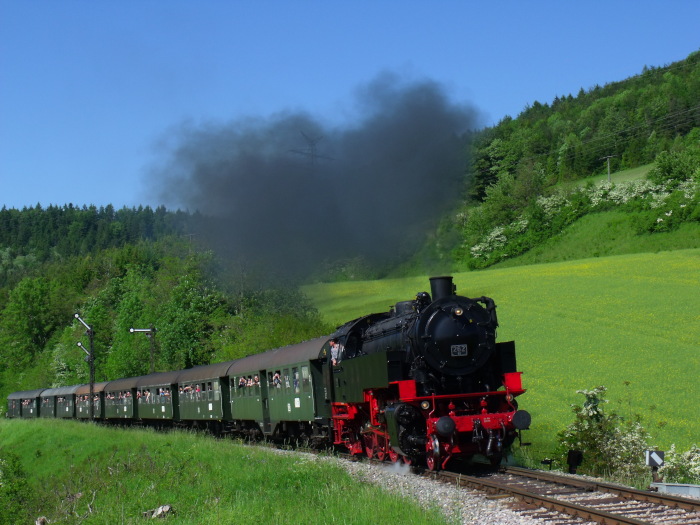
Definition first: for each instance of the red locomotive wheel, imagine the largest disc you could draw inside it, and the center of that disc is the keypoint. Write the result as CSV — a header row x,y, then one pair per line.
x,y
379,444
432,453
393,455
369,445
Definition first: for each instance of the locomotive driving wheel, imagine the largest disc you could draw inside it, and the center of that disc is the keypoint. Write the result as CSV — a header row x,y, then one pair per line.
x,y
432,453
393,455
375,446
369,444
380,447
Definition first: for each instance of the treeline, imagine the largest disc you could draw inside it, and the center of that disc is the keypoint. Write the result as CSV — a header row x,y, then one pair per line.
x,y
34,235
201,315
628,122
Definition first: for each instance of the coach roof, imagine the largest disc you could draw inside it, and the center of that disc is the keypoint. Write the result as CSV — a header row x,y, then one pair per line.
x,y
122,384
204,372
61,391
26,394
158,378
96,388
279,357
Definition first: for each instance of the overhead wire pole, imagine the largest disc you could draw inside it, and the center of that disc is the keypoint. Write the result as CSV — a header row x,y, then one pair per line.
x,y
91,360
608,157
311,152
151,334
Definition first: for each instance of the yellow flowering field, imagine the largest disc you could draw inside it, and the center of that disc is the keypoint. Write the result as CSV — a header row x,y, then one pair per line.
x,y
630,323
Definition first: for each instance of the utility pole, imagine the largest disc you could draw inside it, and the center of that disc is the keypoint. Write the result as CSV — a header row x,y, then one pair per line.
x,y
151,334
311,151
91,360
608,157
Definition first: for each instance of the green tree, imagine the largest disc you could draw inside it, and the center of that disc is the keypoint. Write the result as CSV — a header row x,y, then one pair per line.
x,y
36,308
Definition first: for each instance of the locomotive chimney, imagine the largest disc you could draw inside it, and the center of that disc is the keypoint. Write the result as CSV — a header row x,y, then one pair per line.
x,y
442,287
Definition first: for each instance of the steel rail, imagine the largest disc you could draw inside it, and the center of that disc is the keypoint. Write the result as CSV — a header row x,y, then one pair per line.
x,y
669,500
572,509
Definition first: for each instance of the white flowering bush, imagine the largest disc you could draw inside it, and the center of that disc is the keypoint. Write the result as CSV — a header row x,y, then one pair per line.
x,y
494,240
611,445
681,467
553,204
661,207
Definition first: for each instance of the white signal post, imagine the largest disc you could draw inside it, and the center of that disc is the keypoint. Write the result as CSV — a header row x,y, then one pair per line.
x,y
151,334
91,361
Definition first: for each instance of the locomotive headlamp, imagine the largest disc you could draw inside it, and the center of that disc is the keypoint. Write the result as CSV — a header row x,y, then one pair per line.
x,y
425,405
457,311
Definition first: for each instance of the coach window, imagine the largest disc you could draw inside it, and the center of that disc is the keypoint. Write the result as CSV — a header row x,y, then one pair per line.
x,y
305,379
295,379
285,378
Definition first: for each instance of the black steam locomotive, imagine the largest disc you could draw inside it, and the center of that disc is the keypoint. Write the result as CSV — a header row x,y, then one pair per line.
x,y
424,382
428,380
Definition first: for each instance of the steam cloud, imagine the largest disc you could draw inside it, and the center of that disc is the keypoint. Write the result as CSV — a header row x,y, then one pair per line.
x,y
289,193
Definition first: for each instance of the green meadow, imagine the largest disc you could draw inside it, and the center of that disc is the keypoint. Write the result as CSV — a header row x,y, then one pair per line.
x,y
628,322
83,473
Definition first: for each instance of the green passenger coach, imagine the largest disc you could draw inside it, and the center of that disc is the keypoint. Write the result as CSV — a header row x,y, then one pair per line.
x,y
120,398
157,396
59,402
24,404
82,400
280,391
203,393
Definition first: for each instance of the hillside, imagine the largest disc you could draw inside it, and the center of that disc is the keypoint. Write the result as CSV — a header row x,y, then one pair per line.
x,y
531,177
626,123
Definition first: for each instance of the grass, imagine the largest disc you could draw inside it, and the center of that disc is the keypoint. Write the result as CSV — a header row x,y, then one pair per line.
x,y
603,234
619,176
629,322
83,473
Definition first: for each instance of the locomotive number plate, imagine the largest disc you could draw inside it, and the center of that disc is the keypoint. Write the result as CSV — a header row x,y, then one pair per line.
x,y
459,350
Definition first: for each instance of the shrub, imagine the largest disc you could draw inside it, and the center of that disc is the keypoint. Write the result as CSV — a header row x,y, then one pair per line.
x,y
14,489
611,445
674,167
681,467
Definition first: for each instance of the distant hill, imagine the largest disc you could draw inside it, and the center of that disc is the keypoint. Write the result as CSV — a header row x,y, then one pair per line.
x,y
533,176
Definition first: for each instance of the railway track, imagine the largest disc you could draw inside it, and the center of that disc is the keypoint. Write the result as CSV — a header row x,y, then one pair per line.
x,y
561,499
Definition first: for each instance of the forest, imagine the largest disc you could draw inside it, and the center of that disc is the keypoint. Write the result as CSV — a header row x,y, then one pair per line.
x,y
133,268
628,122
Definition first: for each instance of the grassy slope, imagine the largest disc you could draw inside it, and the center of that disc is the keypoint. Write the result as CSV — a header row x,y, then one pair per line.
x,y
619,176
604,234
122,473
600,321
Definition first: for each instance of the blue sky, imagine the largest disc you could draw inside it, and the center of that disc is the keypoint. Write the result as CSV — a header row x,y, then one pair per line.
x,y
90,91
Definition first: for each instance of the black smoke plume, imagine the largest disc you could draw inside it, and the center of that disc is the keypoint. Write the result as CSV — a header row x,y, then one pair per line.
x,y
288,194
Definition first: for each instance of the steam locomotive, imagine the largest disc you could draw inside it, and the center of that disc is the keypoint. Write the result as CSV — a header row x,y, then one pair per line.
x,y
425,382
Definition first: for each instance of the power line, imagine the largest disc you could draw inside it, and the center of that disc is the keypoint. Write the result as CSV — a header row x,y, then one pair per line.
x,y
311,151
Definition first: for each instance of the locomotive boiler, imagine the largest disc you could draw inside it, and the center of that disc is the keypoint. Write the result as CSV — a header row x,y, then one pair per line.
x,y
427,380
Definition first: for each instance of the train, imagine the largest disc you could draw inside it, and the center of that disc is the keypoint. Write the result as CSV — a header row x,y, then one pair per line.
x,y
424,383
